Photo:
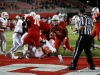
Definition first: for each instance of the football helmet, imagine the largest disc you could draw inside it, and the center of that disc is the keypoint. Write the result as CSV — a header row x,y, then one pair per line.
x,y
33,14
95,10
59,14
37,17
17,17
55,20
75,19
4,15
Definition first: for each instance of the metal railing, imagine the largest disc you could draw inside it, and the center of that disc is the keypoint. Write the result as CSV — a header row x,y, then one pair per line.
x,y
25,11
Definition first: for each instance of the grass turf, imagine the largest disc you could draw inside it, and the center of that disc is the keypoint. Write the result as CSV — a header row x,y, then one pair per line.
x,y
72,38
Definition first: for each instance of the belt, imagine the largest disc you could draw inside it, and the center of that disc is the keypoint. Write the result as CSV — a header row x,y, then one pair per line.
x,y
18,33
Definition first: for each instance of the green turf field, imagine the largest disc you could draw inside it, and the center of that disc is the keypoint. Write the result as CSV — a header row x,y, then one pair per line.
x,y
73,38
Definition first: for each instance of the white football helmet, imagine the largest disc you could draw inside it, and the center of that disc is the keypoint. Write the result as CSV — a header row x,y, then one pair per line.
x,y
75,20
4,15
59,14
32,14
17,17
37,17
95,10
55,17
55,20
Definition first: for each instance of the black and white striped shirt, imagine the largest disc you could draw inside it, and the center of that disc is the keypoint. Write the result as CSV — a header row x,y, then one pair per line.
x,y
88,23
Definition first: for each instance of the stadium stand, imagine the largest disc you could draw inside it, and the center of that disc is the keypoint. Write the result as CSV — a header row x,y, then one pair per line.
x,y
42,6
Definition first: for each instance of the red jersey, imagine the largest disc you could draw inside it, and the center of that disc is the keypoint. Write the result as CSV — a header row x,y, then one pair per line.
x,y
97,24
33,26
33,35
59,30
44,26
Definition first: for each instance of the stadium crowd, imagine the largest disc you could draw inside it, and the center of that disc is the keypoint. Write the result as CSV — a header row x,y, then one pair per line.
x,y
47,4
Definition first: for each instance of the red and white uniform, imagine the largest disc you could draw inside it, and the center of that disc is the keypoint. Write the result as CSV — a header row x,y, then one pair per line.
x,y
48,48
66,44
44,27
96,31
37,53
17,44
33,35
3,22
58,30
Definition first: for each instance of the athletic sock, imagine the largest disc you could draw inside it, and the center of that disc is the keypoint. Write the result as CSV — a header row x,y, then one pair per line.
x,y
60,57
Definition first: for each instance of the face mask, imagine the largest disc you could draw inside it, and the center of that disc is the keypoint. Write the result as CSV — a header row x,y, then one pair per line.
x,y
55,22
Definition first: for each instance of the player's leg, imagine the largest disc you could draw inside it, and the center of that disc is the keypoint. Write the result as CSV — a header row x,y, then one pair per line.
x,y
11,52
3,43
68,46
93,41
18,40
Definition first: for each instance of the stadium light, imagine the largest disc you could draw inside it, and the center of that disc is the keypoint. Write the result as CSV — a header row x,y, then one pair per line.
x,y
87,1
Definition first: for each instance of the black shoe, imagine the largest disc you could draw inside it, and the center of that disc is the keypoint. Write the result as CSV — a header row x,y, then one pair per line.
x,y
72,68
8,55
92,68
49,55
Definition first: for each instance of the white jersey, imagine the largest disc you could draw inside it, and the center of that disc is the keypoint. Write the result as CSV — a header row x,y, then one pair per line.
x,y
37,52
75,20
62,19
18,27
76,23
49,47
4,22
49,21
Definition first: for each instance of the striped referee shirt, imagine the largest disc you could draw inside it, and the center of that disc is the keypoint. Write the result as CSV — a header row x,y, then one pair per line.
x,y
88,23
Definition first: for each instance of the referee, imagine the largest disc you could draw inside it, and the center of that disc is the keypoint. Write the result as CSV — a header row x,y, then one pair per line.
x,y
84,29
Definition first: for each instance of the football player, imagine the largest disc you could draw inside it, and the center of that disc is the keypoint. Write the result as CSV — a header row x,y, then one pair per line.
x,y
75,20
59,28
16,38
96,30
3,26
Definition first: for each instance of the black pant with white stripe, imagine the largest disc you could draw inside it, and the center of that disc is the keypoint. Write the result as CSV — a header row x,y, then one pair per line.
x,y
83,42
